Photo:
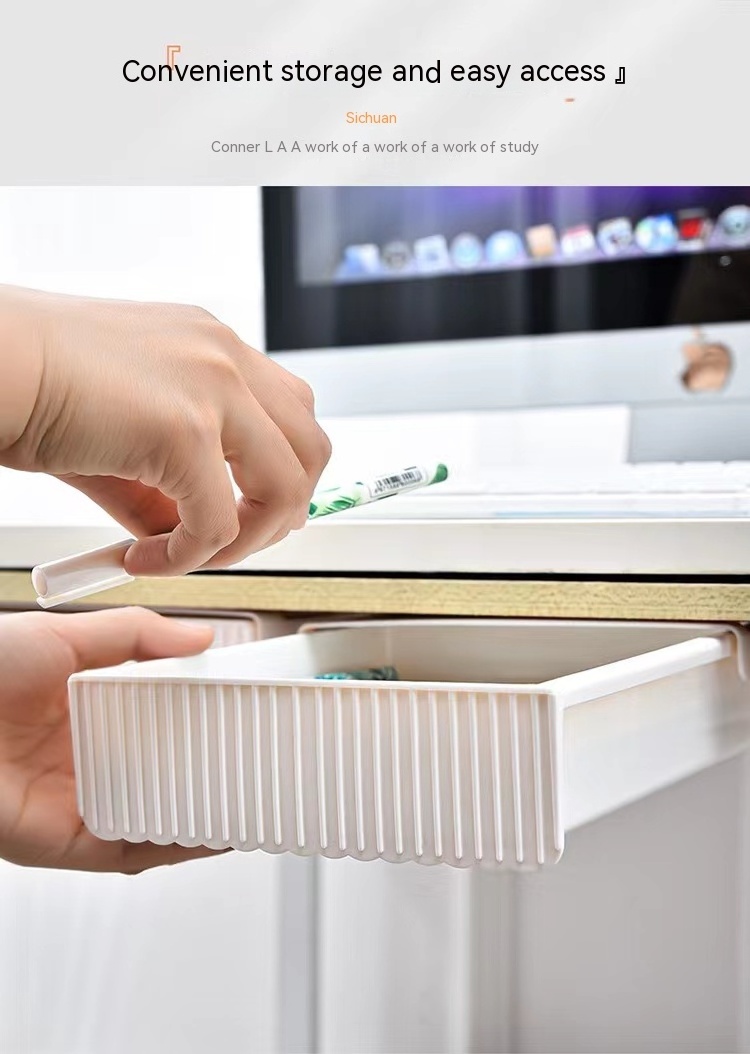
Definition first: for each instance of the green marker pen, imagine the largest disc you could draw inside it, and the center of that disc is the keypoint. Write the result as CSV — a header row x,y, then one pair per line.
x,y
336,499
75,577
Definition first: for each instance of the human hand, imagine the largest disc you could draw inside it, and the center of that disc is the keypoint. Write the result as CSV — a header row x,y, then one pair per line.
x,y
39,821
141,406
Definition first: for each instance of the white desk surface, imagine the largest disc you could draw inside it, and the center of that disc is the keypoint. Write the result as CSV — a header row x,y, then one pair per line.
x,y
42,519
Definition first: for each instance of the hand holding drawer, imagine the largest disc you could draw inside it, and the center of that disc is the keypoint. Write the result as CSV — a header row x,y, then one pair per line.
x,y
40,824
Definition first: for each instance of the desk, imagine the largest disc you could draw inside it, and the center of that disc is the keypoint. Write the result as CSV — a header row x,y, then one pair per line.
x,y
517,597
535,958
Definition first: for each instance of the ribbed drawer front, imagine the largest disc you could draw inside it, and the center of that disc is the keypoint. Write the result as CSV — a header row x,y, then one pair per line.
x,y
497,737
432,775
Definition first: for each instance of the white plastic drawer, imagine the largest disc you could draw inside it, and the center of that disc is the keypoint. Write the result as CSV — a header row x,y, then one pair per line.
x,y
500,736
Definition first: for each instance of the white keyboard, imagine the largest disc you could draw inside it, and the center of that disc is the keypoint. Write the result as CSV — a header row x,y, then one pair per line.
x,y
694,489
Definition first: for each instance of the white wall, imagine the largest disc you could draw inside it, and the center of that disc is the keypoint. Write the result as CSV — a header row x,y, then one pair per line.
x,y
187,244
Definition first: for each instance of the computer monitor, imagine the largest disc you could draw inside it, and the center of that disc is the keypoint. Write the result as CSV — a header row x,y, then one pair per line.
x,y
406,299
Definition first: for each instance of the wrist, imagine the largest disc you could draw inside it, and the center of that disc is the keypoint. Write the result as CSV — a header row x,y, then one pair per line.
x,y
21,363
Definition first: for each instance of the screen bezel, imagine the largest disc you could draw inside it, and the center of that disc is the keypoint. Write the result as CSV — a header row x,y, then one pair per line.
x,y
638,293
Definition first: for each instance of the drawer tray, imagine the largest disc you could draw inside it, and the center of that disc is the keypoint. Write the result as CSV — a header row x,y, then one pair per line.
x,y
500,737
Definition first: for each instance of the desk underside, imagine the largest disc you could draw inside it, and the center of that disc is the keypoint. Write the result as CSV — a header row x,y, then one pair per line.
x,y
441,596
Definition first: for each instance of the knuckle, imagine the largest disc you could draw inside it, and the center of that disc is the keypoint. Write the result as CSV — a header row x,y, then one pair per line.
x,y
323,448
300,491
216,534
202,324
317,449
303,391
224,336
224,532
198,429
197,314
288,490
220,369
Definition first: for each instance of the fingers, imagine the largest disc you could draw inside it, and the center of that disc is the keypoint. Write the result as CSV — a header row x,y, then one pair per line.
x,y
89,853
107,638
140,509
142,856
275,487
233,554
201,488
290,404
235,406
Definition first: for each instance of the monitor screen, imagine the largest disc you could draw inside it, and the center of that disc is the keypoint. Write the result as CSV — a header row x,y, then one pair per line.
x,y
356,266
385,234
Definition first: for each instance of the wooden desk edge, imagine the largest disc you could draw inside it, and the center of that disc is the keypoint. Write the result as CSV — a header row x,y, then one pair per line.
x,y
500,598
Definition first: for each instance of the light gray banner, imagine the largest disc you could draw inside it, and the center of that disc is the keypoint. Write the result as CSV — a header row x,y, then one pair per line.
x,y
69,115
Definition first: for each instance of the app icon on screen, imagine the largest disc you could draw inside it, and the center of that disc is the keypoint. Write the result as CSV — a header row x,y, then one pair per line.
x,y
503,247
466,251
431,253
657,234
578,241
360,260
734,224
694,228
396,256
542,240
615,236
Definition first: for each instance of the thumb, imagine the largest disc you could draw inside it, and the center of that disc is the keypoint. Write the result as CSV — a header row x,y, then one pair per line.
x,y
107,638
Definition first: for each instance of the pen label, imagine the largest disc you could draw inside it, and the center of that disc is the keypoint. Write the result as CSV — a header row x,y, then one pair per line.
x,y
386,485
